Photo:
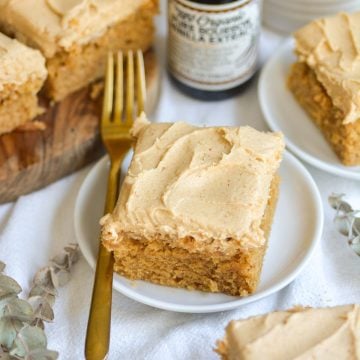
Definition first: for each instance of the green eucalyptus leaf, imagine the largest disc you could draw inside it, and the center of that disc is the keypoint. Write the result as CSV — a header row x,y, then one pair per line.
x,y
6,356
344,207
28,338
8,329
38,323
355,240
22,335
336,202
8,286
39,291
61,261
43,278
346,221
42,308
54,279
73,254
62,277
342,225
42,354
18,309
5,300
341,206
356,226
65,260
356,248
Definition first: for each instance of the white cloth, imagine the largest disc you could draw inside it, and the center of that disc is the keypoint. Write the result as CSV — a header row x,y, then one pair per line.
x,y
39,225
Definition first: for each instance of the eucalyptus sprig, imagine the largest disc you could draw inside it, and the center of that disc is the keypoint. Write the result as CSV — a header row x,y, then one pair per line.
x,y
22,333
347,220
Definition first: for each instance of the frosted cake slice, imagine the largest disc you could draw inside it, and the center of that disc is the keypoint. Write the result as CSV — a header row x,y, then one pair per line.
x,y
196,207
76,35
301,334
325,80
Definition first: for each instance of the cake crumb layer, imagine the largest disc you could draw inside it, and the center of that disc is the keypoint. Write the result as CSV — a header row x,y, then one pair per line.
x,y
22,75
19,64
312,96
179,266
18,110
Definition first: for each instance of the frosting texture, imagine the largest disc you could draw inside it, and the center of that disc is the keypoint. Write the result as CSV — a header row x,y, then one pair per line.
x,y
210,184
321,334
331,47
18,63
54,25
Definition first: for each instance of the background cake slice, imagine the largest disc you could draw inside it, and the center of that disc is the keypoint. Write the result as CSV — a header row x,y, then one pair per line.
x,y
196,207
76,35
22,74
301,334
326,80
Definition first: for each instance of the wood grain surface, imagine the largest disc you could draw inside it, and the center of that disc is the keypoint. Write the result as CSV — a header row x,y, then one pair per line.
x,y
32,159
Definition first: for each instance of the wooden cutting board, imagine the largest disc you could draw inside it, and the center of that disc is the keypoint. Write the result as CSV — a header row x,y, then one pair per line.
x,y
32,159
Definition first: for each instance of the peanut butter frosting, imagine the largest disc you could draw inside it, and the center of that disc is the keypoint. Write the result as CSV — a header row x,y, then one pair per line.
x,y
210,184
331,47
55,25
319,334
18,63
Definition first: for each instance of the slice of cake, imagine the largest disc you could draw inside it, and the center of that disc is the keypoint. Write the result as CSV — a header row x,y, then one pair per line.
x,y
22,74
75,35
301,334
326,80
196,207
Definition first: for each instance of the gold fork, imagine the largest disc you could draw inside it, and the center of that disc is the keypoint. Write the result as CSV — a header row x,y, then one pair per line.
x,y
117,140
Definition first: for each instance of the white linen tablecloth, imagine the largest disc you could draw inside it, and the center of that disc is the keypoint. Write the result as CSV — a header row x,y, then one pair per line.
x,y
39,225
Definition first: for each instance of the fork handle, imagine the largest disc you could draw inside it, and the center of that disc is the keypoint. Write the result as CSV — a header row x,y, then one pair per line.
x,y
98,330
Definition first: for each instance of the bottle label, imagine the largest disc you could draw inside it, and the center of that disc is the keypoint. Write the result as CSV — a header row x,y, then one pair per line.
x,y
213,47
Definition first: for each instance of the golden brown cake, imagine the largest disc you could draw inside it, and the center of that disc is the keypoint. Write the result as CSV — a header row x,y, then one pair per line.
x,y
326,80
301,334
22,74
196,207
75,35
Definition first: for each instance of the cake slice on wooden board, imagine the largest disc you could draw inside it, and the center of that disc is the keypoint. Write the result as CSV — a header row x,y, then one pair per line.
x,y
196,207
326,80
32,160
22,74
75,35
301,334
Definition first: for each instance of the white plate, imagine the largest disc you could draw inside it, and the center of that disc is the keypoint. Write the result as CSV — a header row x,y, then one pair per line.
x,y
283,113
296,230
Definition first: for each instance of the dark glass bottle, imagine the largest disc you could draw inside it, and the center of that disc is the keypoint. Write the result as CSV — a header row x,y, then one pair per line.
x,y
213,46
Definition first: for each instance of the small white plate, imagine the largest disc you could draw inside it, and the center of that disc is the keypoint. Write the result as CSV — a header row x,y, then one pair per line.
x,y
283,113
296,230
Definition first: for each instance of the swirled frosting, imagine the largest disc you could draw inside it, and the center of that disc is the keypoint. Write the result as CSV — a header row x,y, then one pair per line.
x,y
331,47
210,184
302,334
18,63
53,25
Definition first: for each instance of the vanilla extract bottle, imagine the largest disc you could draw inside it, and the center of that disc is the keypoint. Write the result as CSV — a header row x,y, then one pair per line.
x,y
213,46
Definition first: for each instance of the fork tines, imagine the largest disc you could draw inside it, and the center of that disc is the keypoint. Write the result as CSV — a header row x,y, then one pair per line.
x,y
128,71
